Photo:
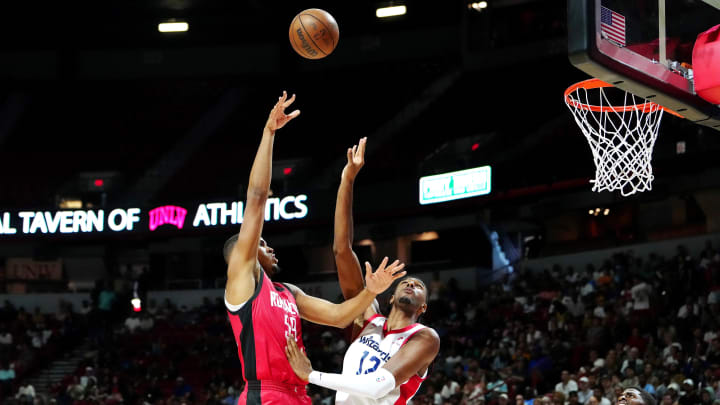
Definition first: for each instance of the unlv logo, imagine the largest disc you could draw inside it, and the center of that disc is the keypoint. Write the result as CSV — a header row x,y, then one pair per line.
x,y
168,214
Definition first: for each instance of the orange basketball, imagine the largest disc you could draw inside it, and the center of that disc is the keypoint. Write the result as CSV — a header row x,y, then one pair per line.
x,y
314,33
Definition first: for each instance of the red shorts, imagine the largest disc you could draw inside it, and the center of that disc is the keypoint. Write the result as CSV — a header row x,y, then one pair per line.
x,y
273,393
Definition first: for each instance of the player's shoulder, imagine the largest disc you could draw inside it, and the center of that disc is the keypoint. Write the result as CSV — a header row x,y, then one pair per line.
x,y
377,318
376,321
289,286
425,340
429,334
428,331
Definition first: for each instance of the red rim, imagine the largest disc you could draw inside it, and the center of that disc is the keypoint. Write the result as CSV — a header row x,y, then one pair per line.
x,y
597,83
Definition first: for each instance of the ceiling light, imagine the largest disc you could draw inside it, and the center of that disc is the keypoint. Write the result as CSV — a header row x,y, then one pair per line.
x,y
174,26
390,11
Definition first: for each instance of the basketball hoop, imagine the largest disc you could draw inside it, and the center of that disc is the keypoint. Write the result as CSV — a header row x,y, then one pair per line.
x,y
621,136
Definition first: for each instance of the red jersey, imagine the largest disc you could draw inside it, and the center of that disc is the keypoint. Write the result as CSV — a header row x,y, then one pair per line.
x,y
261,327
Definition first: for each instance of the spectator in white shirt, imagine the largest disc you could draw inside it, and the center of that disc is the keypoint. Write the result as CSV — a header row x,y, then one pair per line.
x,y
88,377
632,360
587,288
689,309
449,389
6,338
26,394
132,323
566,384
584,392
641,295
709,336
35,338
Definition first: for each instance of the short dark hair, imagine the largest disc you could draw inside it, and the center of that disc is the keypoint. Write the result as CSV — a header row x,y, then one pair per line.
x,y
228,247
646,397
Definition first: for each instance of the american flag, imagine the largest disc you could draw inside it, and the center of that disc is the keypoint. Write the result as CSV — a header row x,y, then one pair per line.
x,y
612,25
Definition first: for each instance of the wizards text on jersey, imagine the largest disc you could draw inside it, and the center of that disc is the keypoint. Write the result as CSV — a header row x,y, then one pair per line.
x,y
369,342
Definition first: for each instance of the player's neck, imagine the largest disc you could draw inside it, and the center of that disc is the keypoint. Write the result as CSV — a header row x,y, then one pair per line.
x,y
398,319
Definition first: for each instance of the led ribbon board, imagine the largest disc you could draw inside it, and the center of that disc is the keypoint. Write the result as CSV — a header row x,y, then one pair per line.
x,y
455,185
201,215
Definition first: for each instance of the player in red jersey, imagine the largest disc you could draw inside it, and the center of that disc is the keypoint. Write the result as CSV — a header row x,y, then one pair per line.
x,y
264,314
390,356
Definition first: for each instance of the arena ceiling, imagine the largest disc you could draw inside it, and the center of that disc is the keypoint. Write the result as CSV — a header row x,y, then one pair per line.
x,y
93,87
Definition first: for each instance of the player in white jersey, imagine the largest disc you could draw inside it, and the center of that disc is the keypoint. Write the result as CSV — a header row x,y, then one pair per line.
x,y
389,356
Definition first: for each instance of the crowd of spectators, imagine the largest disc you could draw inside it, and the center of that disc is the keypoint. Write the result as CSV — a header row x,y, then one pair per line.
x,y
162,355
579,336
542,336
28,340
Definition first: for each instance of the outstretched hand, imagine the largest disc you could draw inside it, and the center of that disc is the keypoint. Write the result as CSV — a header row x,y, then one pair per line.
x,y
356,160
298,359
383,277
278,118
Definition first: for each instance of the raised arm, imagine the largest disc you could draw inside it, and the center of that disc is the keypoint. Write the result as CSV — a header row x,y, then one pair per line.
x,y
243,257
348,265
413,358
320,311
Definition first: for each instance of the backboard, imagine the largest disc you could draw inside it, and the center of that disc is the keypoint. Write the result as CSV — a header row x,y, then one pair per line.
x,y
644,47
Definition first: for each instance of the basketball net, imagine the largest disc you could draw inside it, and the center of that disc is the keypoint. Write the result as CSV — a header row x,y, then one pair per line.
x,y
621,137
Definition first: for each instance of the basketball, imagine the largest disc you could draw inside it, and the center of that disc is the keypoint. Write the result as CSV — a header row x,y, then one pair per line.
x,y
314,33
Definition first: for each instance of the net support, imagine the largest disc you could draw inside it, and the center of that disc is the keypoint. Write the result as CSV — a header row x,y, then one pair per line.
x,y
662,43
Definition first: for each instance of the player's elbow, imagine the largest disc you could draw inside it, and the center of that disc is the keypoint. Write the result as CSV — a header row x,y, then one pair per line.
x,y
341,249
256,193
381,392
383,383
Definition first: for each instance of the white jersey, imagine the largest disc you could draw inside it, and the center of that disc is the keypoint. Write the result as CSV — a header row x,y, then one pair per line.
x,y
374,347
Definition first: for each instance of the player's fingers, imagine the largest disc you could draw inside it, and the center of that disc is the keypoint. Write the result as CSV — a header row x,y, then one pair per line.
x,y
293,114
399,275
397,267
368,269
292,346
392,265
288,354
383,264
349,154
288,102
354,150
363,142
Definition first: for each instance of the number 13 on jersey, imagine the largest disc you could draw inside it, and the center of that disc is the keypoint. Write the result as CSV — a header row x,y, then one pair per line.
x,y
374,362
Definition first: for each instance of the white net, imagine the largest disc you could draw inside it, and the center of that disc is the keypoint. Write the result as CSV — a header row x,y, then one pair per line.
x,y
621,138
